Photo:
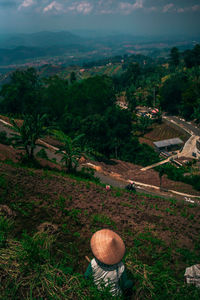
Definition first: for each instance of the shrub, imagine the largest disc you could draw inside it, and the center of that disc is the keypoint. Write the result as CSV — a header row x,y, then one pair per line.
x,y
4,139
5,227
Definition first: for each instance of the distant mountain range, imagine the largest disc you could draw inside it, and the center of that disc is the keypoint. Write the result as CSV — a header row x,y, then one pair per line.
x,y
42,39
45,46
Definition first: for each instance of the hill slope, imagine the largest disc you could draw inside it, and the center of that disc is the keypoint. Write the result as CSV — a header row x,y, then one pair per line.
x,y
161,236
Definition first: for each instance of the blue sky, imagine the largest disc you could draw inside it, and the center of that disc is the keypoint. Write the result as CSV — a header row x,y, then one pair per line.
x,y
132,16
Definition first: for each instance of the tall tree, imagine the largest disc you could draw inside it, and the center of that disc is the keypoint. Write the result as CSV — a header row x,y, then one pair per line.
x,y
72,77
132,74
71,151
23,93
171,92
54,96
131,97
190,100
26,136
91,96
174,57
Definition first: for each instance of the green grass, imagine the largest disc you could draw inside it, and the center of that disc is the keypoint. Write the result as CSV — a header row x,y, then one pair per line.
x,y
36,270
150,264
101,219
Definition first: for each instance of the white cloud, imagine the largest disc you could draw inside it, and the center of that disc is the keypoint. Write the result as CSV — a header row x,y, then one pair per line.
x,y
81,8
53,6
127,7
196,8
84,8
168,7
181,10
26,3
138,4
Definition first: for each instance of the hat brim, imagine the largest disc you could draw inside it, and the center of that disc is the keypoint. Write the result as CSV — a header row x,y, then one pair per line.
x,y
107,246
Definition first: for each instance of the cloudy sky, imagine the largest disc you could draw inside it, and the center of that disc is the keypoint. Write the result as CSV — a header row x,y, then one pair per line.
x,y
131,16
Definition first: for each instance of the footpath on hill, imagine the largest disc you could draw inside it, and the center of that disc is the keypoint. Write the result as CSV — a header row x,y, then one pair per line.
x,y
121,173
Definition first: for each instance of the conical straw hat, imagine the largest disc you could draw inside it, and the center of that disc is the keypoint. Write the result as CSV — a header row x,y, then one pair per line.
x,y
107,246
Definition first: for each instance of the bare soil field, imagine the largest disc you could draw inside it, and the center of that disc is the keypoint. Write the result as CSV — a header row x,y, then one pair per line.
x,y
128,171
161,132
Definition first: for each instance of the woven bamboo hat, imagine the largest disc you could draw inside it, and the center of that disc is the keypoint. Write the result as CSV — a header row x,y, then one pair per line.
x,y
107,246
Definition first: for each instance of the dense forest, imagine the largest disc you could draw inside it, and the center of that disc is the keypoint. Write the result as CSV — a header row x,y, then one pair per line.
x,y
88,107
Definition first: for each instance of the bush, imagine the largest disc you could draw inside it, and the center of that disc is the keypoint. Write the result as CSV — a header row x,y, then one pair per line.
x,y
5,227
42,154
141,154
4,139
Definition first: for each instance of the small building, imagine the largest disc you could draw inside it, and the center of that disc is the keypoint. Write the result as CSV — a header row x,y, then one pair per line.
x,y
168,145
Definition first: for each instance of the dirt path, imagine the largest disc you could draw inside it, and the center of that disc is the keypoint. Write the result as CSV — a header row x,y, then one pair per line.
x,y
159,163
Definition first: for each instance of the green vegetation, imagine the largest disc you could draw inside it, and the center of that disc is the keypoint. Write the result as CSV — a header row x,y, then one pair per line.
x,y
28,133
48,262
155,276
4,139
178,174
71,151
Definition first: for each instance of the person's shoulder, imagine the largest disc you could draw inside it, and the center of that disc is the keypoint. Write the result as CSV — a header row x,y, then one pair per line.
x,y
93,262
121,266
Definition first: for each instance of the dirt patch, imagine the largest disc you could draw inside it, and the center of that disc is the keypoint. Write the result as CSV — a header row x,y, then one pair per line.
x,y
52,141
161,132
48,228
7,119
8,152
129,171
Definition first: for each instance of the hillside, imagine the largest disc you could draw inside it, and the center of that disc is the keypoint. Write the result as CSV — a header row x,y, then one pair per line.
x,y
65,48
161,236
81,73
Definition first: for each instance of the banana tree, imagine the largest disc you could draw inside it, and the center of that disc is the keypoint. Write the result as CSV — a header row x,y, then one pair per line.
x,y
26,136
71,151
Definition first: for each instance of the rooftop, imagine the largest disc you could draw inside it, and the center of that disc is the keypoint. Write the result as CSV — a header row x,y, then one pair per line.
x,y
169,142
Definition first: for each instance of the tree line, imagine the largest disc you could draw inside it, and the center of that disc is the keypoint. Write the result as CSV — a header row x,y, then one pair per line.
x,y
88,107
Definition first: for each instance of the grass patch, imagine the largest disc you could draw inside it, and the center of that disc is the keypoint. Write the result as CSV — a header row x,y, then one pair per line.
x,y
100,219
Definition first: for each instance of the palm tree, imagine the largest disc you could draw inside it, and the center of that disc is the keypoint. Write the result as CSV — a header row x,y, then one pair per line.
x,y
71,151
27,135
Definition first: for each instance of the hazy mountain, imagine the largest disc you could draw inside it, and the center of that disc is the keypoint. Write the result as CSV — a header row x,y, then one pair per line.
x,y
19,54
42,39
73,48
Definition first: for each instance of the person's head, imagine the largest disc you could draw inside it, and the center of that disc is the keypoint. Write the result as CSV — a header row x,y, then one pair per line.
x,y
131,182
107,246
108,187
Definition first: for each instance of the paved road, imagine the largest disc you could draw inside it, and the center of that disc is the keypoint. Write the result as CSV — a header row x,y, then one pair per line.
x,y
190,148
183,124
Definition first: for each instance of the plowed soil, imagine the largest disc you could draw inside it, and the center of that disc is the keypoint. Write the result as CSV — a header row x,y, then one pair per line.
x,y
128,171
161,132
